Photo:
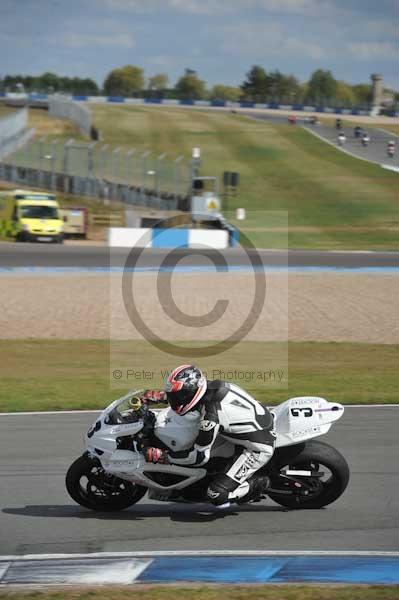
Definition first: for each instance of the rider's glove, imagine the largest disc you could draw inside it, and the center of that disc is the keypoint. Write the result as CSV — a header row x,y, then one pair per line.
x,y
155,455
153,396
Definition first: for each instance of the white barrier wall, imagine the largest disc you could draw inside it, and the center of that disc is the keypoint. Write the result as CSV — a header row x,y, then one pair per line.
x,y
213,238
14,132
129,237
67,109
13,124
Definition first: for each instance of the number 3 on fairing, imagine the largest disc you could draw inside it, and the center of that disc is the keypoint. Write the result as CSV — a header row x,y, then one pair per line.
x,y
307,412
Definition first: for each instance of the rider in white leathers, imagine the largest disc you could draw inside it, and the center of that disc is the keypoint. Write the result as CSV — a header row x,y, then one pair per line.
x,y
228,411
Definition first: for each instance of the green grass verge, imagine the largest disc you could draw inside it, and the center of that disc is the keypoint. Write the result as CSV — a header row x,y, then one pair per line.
x,y
333,200
389,127
213,592
60,375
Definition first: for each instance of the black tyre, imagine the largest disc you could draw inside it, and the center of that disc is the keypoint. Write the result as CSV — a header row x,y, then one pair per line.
x,y
89,485
319,458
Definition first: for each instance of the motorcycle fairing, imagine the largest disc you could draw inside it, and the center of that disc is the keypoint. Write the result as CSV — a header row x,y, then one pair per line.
x,y
133,467
302,418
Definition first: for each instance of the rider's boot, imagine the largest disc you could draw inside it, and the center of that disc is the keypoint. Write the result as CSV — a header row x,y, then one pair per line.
x,y
248,491
256,488
224,490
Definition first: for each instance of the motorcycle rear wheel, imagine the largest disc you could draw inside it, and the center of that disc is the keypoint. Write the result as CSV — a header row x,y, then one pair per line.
x,y
89,485
314,456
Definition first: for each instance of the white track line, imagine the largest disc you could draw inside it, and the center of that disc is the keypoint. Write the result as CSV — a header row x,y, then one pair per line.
x,y
390,133
87,412
155,553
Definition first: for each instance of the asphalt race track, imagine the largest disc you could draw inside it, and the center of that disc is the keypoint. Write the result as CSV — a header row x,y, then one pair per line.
x,y
376,151
42,255
37,515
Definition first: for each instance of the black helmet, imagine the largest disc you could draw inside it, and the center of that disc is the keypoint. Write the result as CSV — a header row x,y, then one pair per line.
x,y
184,388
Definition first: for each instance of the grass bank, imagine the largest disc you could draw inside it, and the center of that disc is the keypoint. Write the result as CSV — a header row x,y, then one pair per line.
x,y
333,200
60,375
213,592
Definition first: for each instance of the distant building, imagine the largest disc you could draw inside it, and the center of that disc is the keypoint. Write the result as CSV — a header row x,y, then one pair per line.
x,y
376,103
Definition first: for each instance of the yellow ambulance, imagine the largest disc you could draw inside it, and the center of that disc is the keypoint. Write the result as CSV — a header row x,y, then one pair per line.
x,y
30,216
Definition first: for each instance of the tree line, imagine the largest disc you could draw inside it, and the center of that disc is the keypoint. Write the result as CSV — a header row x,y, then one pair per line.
x,y
259,86
49,83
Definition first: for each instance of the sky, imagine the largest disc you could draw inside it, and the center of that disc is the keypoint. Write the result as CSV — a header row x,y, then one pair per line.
x,y
220,39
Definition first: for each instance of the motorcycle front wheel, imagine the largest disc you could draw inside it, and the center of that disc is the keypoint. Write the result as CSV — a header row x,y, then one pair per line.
x,y
330,477
90,486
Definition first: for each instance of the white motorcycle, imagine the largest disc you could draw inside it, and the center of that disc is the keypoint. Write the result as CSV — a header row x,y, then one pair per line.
x,y
112,474
365,140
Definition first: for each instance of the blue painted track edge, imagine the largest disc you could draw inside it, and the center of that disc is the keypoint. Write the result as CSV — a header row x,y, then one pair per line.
x,y
212,567
198,269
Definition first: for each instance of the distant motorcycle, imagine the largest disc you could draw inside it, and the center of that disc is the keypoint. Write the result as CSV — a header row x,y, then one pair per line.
x,y
391,149
341,139
365,140
357,131
112,473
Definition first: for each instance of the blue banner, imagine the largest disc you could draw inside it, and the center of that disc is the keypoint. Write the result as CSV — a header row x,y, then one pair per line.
x,y
115,99
35,96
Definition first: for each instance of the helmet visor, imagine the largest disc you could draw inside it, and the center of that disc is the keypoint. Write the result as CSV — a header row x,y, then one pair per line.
x,y
178,400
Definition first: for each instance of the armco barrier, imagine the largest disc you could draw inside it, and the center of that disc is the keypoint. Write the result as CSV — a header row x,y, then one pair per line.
x,y
129,237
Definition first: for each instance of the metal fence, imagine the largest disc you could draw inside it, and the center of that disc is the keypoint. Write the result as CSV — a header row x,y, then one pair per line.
x,y
102,189
93,169
59,106
101,162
